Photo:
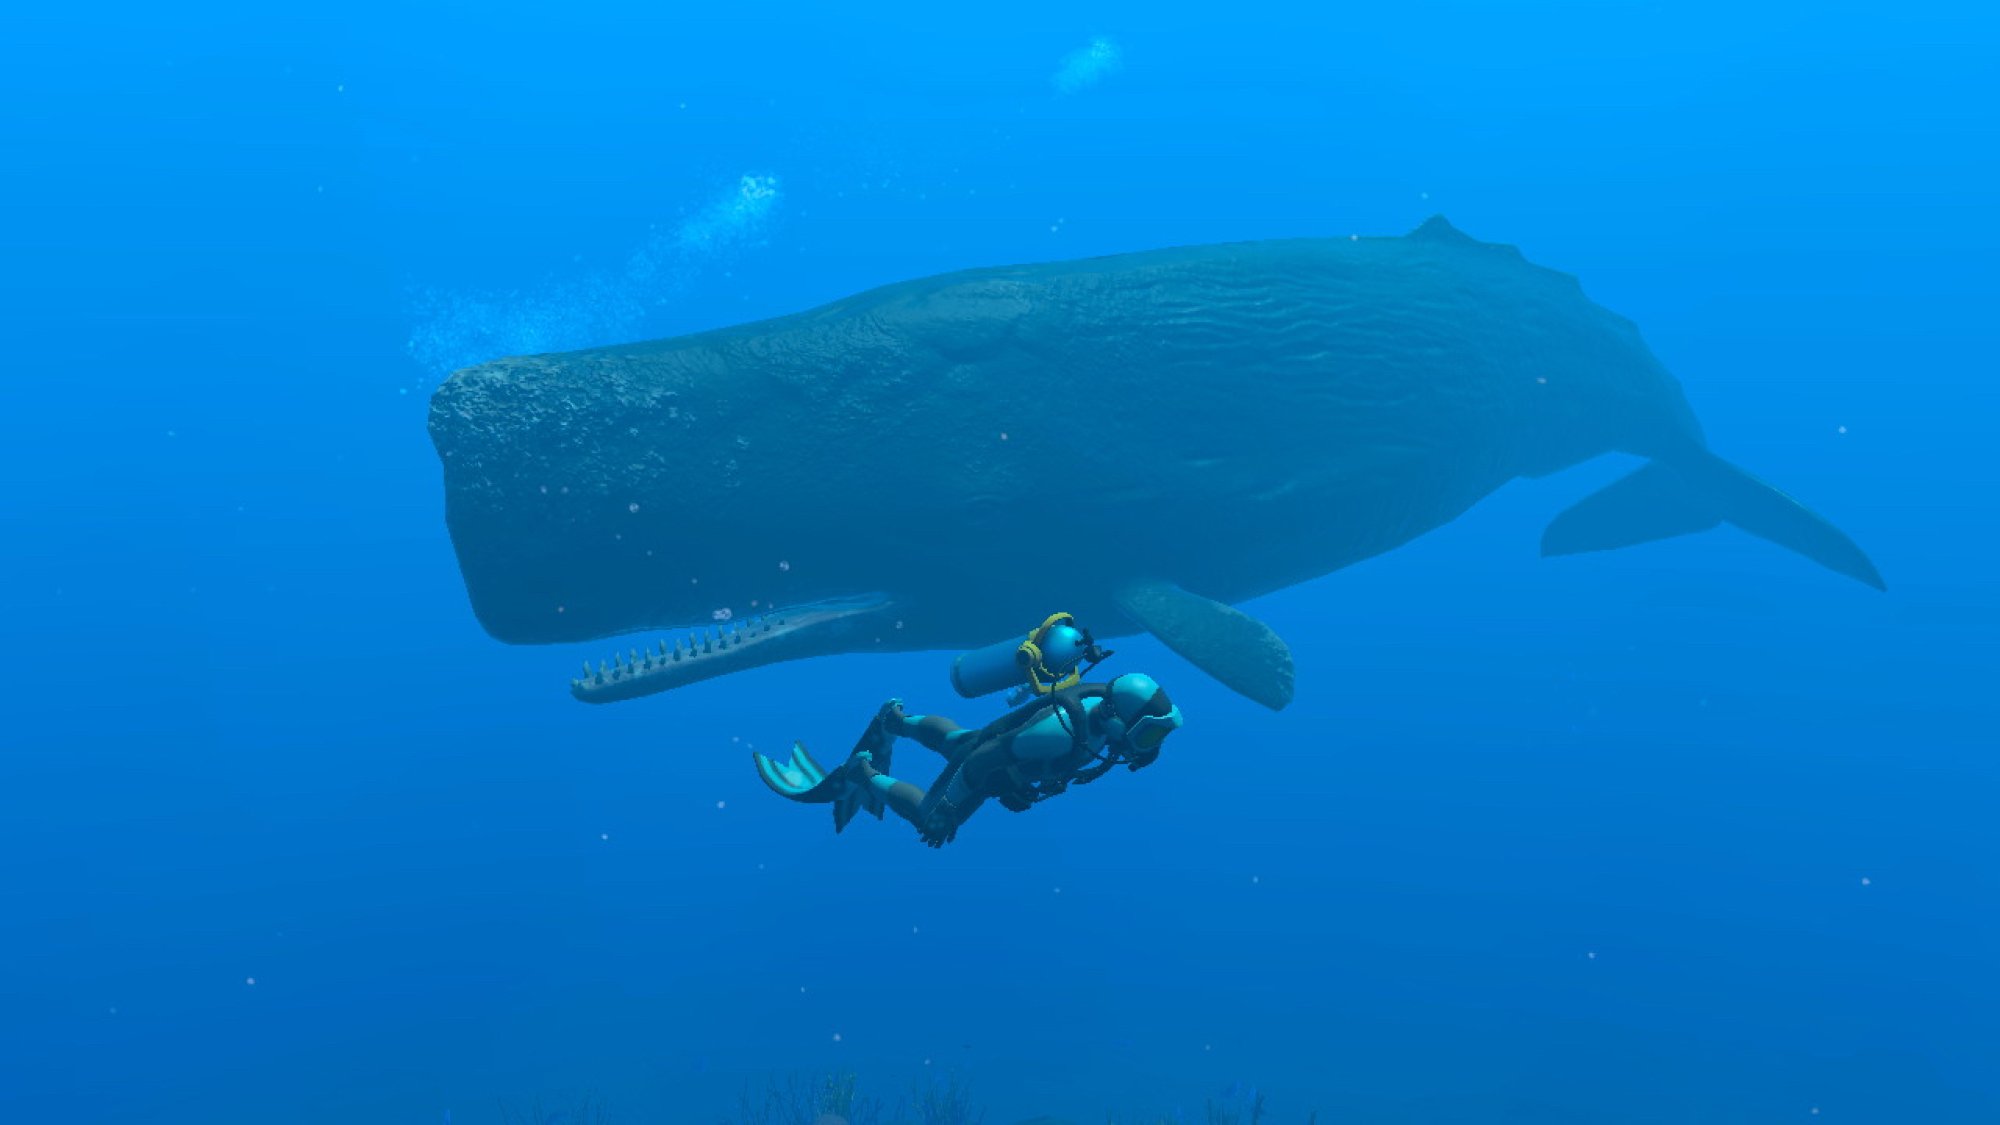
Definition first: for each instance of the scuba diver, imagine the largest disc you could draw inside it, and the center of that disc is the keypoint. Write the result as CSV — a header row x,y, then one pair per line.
x,y
1063,732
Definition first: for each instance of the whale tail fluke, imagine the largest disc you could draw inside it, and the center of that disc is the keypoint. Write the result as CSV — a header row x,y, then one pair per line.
x,y
1694,493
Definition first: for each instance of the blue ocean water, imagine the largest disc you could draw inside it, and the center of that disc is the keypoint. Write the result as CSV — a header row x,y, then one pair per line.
x,y
1690,832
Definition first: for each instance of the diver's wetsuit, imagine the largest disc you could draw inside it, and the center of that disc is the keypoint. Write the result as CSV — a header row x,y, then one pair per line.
x,y
1027,755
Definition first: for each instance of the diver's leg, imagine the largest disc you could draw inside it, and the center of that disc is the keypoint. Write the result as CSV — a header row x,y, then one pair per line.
x,y
933,732
902,798
936,813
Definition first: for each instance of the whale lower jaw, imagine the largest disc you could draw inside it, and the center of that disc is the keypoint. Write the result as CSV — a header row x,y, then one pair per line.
x,y
813,629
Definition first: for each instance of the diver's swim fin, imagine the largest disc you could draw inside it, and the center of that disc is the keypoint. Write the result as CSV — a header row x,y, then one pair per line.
x,y
1234,647
1694,493
799,778
804,780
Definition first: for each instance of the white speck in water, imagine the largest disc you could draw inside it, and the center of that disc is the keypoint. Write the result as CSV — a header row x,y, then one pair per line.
x,y
604,835
783,565
1867,882
1843,429
722,804
632,507
1592,955
249,980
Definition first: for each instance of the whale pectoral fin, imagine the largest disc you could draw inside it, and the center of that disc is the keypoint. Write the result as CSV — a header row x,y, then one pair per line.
x,y
1653,503
1234,647
1693,493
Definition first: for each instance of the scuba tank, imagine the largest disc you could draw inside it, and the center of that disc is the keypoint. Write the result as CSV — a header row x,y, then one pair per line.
x,y
1055,655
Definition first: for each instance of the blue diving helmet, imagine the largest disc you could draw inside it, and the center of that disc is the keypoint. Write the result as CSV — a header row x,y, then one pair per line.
x,y
1145,716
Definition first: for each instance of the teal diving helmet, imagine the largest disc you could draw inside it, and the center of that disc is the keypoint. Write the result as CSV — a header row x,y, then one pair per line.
x,y
1145,716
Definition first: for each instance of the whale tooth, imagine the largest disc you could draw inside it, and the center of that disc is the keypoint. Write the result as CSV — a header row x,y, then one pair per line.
x,y
707,642
586,669
663,648
649,659
635,656
600,670
694,643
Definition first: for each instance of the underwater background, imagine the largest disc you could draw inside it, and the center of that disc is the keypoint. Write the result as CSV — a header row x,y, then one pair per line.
x,y
1692,832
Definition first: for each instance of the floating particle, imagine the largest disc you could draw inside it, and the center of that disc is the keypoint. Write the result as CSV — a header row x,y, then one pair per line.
x,y
1592,955
722,614
249,980
1843,430
1255,879
836,1037
1866,881
783,565
722,804
1003,435
604,835
559,609
634,507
